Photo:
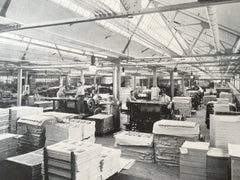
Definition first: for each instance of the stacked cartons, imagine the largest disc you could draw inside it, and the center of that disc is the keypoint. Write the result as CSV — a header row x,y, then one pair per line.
x,y
110,162
24,167
4,120
104,123
8,145
135,145
193,160
207,98
224,129
71,159
234,152
229,96
17,112
32,128
75,129
218,165
169,136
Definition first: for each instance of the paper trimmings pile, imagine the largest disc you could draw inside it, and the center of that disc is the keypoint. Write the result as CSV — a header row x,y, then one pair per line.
x,y
193,160
169,136
135,145
75,130
73,158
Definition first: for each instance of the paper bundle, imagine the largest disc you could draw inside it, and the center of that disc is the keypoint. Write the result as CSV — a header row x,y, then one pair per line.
x,y
84,166
17,112
234,152
193,160
23,167
8,145
226,95
110,162
135,145
4,120
60,116
75,129
104,123
221,107
184,105
224,129
207,98
169,136
217,164
32,128
222,100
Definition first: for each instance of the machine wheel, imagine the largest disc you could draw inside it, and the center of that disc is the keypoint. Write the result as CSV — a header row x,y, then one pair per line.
x,y
91,104
97,110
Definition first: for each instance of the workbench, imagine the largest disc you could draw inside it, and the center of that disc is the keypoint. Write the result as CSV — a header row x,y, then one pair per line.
x,y
143,114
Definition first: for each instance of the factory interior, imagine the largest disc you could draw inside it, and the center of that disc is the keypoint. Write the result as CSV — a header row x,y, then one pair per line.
x,y
119,90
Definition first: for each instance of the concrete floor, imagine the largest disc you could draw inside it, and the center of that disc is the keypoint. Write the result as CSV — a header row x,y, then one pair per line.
x,y
152,171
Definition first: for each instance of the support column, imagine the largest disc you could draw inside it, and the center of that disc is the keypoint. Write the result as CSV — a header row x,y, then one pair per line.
x,y
148,82
115,82
134,82
82,77
118,81
61,80
172,83
183,84
19,88
26,78
154,77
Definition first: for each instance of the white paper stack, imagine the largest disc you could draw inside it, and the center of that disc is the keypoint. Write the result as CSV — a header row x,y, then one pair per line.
x,y
193,160
75,129
4,120
226,95
8,145
222,100
184,105
234,152
87,160
110,162
221,107
32,127
17,112
135,145
60,116
207,98
224,129
217,164
169,136
23,167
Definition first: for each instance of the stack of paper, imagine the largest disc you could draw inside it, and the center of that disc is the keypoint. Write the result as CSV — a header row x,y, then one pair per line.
x,y
184,105
234,152
4,120
217,164
16,112
221,107
222,100
75,129
85,165
32,128
169,136
193,160
226,95
224,129
23,167
110,162
8,145
135,145
207,98
61,117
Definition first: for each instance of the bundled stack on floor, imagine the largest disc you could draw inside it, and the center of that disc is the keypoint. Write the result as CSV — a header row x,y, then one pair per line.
x,y
110,162
226,95
208,98
217,164
104,123
184,105
224,129
4,120
32,128
136,145
193,160
23,167
61,117
234,152
169,136
221,107
73,159
8,145
16,112
75,129
222,100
